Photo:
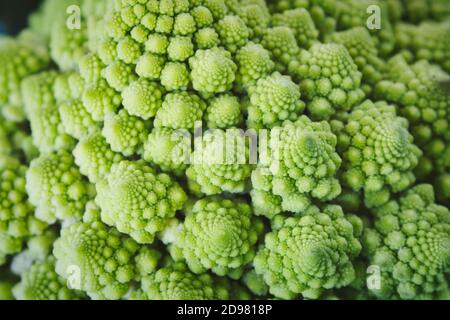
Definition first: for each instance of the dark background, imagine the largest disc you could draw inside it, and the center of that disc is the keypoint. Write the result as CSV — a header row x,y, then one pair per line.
x,y
14,14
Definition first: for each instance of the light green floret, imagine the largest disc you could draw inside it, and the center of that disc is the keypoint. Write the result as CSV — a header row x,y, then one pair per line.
x,y
309,254
254,63
41,282
410,242
218,234
150,66
298,162
76,120
119,75
364,52
17,221
233,33
169,149
419,91
354,13
379,154
222,162
329,79
100,99
212,70
281,43
128,50
427,41
300,21
256,16
206,38
68,45
56,188
176,282
125,133
19,59
107,261
142,98
180,110
90,68
175,76
42,112
94,157
68,86
223,111
137,200
273,99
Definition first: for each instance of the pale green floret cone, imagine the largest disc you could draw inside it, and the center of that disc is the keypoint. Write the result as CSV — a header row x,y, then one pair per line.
x,y
169,149
254,62
223,111
218,234
180,110
19,59
176,282
107,261
42,111
355,13
56,188
233,33
143,98
298,163
67,44
273,99
94,157
137,200
329,79
428,41
100,99
305,255
17,220
76,120
323,12
420,92
212,71
221,162
410,242
364,52
125,133
378,152
119,75
281,43
41,282
68,86
300,21
256,16
175,76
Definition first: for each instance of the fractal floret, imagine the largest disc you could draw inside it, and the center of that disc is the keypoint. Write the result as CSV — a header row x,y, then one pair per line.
x,y
218,234
299,162
225,149
307,254
99,260
329,78
17,220
410,243
379,153
221,162
41,282
137,200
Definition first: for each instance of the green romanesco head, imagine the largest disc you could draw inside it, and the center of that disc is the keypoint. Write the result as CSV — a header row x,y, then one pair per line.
x,y
329,78
221,162
223,111
218,234
99,260
274,99
307,254
56,187
137,200
410,244
17,220
378,152
298,162
41,282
